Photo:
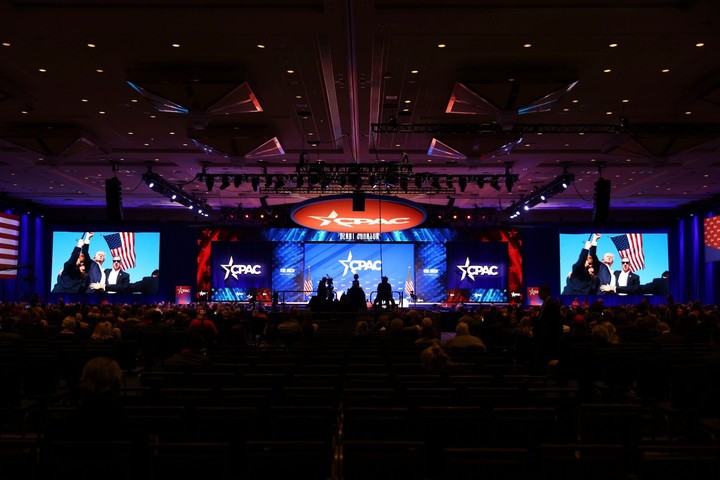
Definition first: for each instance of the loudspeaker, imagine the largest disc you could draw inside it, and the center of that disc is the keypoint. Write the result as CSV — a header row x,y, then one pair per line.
x,y
601,208
358,201
113,199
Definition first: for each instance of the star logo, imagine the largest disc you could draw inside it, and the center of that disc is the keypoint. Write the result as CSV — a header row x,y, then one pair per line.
x,y
324,221
228,270
465,271
346,263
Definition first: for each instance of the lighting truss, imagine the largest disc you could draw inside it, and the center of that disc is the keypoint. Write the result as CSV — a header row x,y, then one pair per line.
x,y
541,194
385,177
175,193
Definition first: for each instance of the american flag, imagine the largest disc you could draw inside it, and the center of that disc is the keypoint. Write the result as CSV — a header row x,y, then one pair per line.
x,y
307,284
9,241
409,287
122,245
712,239
630,246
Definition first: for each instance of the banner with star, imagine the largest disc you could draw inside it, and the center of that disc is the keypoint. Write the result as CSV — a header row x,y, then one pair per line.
x,y
477,272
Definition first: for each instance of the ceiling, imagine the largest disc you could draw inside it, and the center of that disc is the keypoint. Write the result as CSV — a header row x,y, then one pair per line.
x,y
626,91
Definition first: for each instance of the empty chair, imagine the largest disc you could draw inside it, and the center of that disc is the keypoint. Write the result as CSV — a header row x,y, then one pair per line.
x,y
296,459
372,459
485,463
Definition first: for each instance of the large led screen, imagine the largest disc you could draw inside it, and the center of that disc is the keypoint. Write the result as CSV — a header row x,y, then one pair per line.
x,y
74,270
639,260
477,272
370,261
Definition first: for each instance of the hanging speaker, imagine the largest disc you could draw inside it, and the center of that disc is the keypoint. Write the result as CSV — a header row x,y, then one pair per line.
x,y
601,208
113,199
358,200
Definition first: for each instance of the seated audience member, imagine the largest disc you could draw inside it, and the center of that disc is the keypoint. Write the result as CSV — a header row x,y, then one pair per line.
x,y
464,339
666,336
434,358
193,353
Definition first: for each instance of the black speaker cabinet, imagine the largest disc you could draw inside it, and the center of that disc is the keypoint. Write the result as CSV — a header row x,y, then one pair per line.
x,y
113,199
358,200
601,208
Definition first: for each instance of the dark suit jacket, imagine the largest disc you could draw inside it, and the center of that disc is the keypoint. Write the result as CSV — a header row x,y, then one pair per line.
x,y
580,281
632,281
71,280
94,274
123,280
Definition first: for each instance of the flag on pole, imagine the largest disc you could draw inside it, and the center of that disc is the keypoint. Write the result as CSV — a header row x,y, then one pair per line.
x,y
9,241
122,245
409,287
308,285
630,246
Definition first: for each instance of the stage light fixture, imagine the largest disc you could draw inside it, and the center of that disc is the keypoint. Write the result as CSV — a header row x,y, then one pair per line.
x,y
449,182
237,181
418,181
255,182
495,183
268,181
225,183
209,182
480,182
435,183
279,182
462,183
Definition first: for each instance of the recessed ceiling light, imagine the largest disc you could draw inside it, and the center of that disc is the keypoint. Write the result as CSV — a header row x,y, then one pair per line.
x,y
408,101
608,113
414,71
688,113
130,133
665,70
172,133
625,100
6,44
700,44
101,112
99,70
575,101
566,109
42,70
91,45
441,45
260,45
176,45
134,100
607,70
527,45
291,71
24,112
613,45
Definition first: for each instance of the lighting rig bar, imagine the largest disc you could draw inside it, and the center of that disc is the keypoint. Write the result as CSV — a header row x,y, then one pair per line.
x,y
623,127
541,195
387,177
175,193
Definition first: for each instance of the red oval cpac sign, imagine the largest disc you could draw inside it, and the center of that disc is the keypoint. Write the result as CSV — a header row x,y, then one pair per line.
x,y
335,214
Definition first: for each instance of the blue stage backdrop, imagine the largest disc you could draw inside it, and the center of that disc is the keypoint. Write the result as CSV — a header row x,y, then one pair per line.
x,y
241,271
477,272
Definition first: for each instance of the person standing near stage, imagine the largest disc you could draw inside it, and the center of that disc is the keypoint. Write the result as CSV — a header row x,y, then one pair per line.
x,y
547,330
384,294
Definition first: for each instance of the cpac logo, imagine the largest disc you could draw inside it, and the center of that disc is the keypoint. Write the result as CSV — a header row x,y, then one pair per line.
x,y
182,290
471,270
358,265
236,270
353,222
